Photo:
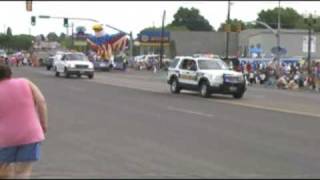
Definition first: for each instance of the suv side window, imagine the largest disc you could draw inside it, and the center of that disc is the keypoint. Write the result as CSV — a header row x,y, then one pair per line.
x,y
174,63
186,64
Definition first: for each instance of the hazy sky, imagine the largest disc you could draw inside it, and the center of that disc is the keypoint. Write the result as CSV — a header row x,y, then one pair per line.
x,y
129,15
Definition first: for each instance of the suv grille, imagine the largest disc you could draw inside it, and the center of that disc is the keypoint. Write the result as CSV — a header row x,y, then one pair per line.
x,y
82,66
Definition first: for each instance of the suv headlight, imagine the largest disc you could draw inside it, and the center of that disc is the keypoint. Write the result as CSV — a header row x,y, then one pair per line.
x,y
69,66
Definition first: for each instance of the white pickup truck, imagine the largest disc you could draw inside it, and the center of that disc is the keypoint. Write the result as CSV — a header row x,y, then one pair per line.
x,y
73,63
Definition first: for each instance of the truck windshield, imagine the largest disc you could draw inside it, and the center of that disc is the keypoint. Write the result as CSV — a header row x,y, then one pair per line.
x,y
212,64
75,57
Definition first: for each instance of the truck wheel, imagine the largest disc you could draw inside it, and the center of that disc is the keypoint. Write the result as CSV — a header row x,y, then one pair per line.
x,y
238,95
204,89
90,76
66,73
174,86
57,73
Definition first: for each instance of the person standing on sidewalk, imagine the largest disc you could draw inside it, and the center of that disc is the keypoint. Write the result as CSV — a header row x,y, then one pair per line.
x,y
23,124
317,76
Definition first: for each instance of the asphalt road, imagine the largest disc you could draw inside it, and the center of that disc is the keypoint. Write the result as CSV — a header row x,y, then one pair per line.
x,y
129,126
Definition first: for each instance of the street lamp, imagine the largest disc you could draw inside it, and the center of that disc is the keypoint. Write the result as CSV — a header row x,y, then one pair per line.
x,y
310,21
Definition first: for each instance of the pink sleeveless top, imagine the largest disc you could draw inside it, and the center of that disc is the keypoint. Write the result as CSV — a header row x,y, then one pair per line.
x,y
19,122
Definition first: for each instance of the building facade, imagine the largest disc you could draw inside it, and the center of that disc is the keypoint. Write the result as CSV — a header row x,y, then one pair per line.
x,y
294,41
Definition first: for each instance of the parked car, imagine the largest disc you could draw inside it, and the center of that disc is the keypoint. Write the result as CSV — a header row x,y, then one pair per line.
x,y
119,62
74,63
101,65
206,75
49,62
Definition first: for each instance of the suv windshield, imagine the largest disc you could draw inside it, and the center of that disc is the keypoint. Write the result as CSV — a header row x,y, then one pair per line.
x,y
75,57
212,64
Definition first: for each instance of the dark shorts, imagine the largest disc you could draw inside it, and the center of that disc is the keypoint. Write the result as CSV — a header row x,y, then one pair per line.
x,y
22,153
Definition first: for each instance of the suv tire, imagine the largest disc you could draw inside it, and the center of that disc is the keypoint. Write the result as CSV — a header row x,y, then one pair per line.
x,y
57,73
66,73
204,89
238,95
174,86
90,76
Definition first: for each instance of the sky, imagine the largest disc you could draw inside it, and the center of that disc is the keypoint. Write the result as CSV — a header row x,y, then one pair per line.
x,y
129,16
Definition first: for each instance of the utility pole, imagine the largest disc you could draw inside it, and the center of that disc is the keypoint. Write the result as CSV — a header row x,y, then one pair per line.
x,y
278,42
72,36
309,50
228,30
161,41
131,46
310,21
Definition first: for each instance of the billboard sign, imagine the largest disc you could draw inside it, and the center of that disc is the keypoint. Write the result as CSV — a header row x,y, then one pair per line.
x,y
153,36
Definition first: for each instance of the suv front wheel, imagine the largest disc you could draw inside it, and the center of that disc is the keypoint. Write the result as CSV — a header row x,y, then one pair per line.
x,y
56,72
90,76
174,86
204,89
66,73
238,95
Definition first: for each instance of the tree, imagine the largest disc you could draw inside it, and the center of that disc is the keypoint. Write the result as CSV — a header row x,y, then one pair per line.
x,y
22,42
4,41
191,19
52,36
176,28
9,32
289,18
61,37
235,24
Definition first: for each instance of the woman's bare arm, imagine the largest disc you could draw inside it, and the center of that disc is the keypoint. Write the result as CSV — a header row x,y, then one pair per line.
x,y
41,105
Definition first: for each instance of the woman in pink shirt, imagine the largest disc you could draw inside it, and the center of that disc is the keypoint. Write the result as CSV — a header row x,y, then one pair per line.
x,y
23,123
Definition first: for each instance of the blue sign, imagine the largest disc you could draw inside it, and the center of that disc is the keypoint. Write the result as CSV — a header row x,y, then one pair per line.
x,y
255,50
153,36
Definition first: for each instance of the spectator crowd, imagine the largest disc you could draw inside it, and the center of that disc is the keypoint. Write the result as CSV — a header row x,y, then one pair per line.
x,y
288,76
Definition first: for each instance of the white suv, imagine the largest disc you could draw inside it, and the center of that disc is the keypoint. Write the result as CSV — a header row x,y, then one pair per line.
x,y
206,75
73,63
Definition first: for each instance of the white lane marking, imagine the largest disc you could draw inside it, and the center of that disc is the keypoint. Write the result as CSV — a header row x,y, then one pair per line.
x,y
268,108
189,112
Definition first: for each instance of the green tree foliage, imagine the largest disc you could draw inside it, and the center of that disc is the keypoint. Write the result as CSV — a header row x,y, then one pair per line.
x,y
191,19
67,42
234,23
22,42
52,36
61,37
4,41
18,42
289,17
171,27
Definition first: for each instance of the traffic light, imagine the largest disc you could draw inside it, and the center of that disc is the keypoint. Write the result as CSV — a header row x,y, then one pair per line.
x,y
65,22
33,20
29,5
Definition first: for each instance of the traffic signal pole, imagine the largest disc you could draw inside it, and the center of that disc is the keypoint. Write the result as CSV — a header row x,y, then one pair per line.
x,y
96,21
